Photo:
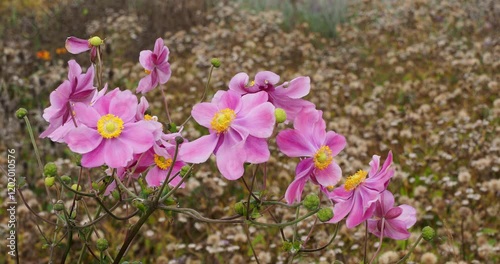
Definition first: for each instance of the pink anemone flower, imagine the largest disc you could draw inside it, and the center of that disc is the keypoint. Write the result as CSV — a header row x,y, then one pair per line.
x,y
161,159
78,88
238,126
108,133
286,96
76,45
357,196
397,220
156,66
309,139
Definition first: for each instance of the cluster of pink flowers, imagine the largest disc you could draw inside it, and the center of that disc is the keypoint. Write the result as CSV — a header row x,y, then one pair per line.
x,y
112,129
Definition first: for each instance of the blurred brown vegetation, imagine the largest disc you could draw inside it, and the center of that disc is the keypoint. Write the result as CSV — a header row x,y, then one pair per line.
x,y
417,77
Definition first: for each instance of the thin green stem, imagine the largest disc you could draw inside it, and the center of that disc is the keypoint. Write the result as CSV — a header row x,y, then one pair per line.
x,y
366,242
380,242
247,232
178,185
158,196
411,250
253,222
165,101
327,244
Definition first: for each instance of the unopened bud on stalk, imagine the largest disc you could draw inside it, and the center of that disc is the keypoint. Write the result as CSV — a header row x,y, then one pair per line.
x,y
139,204
102,244
428,233
59,206
49,181
240,208
280,115
21,113
50,169
179,140
66,179
325,214
76,187
215,62
184,170
311,202
96,41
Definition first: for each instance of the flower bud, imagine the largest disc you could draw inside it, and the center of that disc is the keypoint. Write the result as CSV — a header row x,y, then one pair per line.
x,y
102,244
139,204
240,208
325,214
96,41
311,202
184,170
428,233
66,179
76,187
172,127
59,206
280,115
179,140
49,181
21,113
215,62
50,169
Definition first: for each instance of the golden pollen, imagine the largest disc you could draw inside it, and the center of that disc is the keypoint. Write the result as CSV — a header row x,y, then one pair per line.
x,y
329,188
147,71
162,163
222,120
353,181
148,117
323,157
110,126
252,83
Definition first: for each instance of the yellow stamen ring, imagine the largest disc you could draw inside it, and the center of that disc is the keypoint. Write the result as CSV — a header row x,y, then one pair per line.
x,y
222,120
110,126
353,181
162,163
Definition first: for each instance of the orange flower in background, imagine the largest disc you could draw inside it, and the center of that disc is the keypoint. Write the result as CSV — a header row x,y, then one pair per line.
x,y
60,51
43,54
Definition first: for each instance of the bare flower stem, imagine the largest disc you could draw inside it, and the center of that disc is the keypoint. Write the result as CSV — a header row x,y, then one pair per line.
x,y
381,240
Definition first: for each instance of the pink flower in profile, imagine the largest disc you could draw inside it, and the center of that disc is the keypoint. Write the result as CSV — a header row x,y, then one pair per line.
x,y
309,139
238,129
108,133
76,45
78,88
397,220
161,159
286,96
156,65
357,196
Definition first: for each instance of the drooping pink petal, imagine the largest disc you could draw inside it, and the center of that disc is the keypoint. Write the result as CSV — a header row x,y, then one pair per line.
x,y
374,165
394,229
256,150
297,88
84,89
358,214
259,122
264,78
141,108
291,106
145,84
160,50
329,176
341,209
95,158
311,124
117,153
408,215
203,113
293,144
137,136
393,213
146,59
386,201
76,45
86,114
60,133
74,70
250,101
335,142
199,150
83,139
93,54
231,156
294,191
238,83
155,176
164,72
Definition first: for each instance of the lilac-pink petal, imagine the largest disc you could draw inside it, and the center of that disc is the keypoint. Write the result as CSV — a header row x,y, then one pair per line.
x,y
60,133
74,70
146,59
86,114
229,99
293,144
340,210
93,54
294,191
311,124
164,72
358,214
124,105
393,213
259,122
238,83
203,113
264,78
137,136
298,87
95,158
145,84
83,139
408,215
394,229
76,45
256,150
250,101
155,176
199,150
160,50
374,165
230,158
118,153
335,142
329,176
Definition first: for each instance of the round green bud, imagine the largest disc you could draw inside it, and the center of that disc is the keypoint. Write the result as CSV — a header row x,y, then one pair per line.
x,y
325,214
102,244
50,169
311,202
59,206
184,170
66,179
280,115
49,181
21,113
215,62
76,187
96,41
428,233
240,208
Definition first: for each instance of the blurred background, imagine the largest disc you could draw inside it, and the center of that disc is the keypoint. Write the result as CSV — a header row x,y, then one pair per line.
x,y
419,77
